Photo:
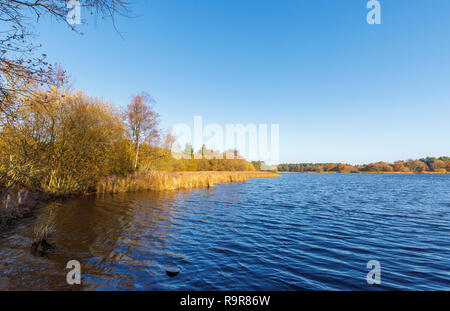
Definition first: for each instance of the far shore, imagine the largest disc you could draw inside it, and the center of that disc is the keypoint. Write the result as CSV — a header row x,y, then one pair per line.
x,y
430,173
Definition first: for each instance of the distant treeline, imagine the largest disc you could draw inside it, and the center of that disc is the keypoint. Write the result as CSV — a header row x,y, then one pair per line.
x,y
429,164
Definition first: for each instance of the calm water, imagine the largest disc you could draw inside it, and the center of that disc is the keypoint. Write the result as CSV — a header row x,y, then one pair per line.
x,y
300,231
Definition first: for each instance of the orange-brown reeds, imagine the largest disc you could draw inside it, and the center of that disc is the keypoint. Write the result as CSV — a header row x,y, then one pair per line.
x,y
158,180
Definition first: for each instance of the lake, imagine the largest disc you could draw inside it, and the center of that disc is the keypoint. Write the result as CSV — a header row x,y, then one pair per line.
x,y
296,232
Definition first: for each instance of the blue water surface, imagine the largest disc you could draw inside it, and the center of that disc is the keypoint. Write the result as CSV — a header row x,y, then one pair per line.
x,y
296,232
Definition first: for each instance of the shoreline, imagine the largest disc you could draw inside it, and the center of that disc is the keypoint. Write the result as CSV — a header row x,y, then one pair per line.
x,y
395,173
163,181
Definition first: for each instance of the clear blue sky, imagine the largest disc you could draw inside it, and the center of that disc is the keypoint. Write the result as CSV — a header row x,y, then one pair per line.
x,y
340,89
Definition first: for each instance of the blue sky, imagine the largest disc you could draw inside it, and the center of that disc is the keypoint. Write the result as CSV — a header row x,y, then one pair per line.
x,y
340,89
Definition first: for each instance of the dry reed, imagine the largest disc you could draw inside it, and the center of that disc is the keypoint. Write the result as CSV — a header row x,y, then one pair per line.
x,y
158,180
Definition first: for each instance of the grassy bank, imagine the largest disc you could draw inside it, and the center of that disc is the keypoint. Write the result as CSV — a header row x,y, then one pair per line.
x,y
158,180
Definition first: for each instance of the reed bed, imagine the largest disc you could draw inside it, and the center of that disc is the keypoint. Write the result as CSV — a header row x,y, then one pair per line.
x,y
159,181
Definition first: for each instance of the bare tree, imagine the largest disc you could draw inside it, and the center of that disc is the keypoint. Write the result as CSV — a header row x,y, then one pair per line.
x,y
143,122
18,52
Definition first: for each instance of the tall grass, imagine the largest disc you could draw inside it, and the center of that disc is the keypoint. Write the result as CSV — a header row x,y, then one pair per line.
x,y
158,180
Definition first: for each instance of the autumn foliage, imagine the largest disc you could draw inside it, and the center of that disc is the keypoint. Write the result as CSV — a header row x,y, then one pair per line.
x,y
62,142
437,165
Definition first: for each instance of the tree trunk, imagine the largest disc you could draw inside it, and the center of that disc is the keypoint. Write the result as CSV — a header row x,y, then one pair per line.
x,y
137,156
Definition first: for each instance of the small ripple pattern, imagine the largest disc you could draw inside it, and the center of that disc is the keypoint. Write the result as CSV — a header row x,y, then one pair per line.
x,y
296,232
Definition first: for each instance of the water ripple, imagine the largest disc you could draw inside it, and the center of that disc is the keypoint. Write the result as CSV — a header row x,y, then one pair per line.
x,y
300,231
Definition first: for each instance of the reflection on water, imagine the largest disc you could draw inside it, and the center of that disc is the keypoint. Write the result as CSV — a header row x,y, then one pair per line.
x,y
111,236
300,231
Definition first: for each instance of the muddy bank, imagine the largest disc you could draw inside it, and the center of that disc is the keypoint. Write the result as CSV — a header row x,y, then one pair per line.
x,y
15,205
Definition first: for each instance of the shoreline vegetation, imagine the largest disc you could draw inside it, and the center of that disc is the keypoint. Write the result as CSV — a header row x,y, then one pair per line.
x,y
394,173
429,165
163,181
56,142
18,204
